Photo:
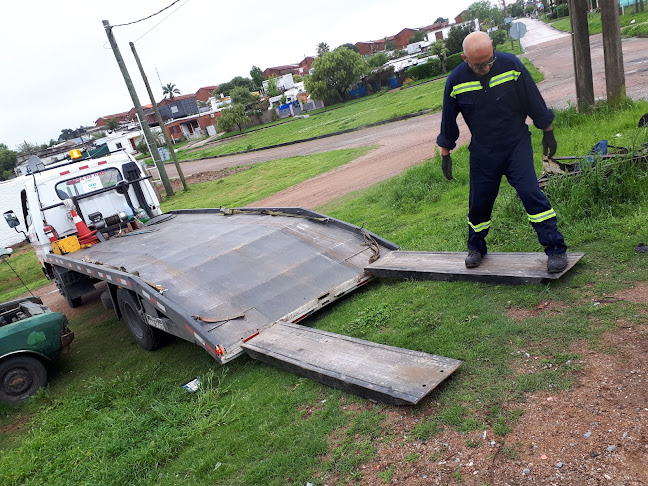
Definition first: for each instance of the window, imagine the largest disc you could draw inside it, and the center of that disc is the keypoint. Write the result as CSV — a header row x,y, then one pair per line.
x,y
88,183
118,145
174,109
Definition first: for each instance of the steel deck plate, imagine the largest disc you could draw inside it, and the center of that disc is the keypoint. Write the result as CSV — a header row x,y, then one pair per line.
x,y
376,371
497,268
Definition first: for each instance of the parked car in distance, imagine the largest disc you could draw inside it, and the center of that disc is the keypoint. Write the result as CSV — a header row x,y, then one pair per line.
x,y
31,335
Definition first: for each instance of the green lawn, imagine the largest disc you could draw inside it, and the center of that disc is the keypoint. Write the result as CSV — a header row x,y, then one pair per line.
x,y
115,414
631,24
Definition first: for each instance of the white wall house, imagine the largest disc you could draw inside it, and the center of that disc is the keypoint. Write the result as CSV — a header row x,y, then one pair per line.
x,y
284,83
217,104
125,139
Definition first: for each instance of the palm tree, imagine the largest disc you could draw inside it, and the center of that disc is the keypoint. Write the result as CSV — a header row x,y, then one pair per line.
x,y
170,90
322,48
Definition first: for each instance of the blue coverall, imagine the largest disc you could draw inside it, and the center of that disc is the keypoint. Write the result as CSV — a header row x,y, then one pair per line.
x,y
495,107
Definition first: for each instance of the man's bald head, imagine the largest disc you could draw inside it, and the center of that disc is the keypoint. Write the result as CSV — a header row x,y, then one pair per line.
x,y
476,44
478,52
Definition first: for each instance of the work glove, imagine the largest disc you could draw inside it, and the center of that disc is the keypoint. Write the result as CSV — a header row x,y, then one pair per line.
x,y
446,166
549,144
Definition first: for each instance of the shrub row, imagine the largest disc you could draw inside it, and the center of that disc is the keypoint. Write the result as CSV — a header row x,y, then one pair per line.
x,y
432,68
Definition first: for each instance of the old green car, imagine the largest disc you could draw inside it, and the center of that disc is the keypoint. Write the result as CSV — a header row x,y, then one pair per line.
x,y
30,336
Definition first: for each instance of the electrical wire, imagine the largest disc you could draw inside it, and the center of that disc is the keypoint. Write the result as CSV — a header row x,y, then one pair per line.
x,y
170,14
146,18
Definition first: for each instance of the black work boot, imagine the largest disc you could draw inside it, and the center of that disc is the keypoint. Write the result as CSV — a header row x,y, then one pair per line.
x,y
473,259
557,262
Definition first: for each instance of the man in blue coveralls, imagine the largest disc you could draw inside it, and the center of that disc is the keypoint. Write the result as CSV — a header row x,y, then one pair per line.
x,y
495,94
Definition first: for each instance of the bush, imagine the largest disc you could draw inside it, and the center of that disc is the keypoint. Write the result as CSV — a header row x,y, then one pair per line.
x,y
426,70
142,147
453,61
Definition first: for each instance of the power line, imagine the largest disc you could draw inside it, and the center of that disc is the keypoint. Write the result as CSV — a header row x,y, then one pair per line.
x,y
146,18
179,7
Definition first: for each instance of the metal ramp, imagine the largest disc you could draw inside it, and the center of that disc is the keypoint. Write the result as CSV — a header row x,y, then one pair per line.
x,y
496,268
375,371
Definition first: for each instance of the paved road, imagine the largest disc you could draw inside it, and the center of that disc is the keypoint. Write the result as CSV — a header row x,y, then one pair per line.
x,y
409,142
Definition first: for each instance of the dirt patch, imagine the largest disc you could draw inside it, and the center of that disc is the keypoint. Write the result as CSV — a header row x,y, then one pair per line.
x,y
206,176
548,307
637,294
596,433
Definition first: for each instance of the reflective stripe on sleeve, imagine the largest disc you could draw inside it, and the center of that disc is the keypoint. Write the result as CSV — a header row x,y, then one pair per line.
x,y
464,87
540,217
480,227
504,77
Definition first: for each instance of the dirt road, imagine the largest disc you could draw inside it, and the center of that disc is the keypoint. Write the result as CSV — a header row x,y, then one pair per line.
x,y
409,142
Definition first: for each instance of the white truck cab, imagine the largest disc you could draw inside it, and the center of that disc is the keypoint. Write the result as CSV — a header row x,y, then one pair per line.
x,y
105,192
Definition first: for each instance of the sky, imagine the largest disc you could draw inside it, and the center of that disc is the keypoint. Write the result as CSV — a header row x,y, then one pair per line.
x,y
58,70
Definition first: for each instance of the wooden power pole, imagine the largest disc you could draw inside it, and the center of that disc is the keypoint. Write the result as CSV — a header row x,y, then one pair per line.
x,y
581,54
159,117
131,89
613,52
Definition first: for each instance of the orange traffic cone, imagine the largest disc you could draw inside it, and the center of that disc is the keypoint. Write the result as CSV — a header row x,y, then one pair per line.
x,y
86,237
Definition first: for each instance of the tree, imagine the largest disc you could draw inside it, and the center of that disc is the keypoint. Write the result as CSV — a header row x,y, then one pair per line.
x,y
225,88
170,90
272,89
349,46
257,76
242,96
377,60
441,51
419,36
234,115
26,148
515,10
298,78
498,36
334,74
439,20
112,124
66,134
390,45
322,48
456,36
8,160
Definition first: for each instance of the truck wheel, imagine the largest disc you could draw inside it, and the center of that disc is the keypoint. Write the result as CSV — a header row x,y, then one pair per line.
x,y
146,336
20,378
76,302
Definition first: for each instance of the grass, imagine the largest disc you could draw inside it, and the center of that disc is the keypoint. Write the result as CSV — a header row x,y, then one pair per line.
x,y
114,414
628,27
261,180
25,263
375,108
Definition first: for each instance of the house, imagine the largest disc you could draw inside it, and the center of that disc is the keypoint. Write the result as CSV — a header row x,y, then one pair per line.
x,y
203,94
370,47
284,83
301,69
126,140
182,106
102,121
459,19
193,126
219,102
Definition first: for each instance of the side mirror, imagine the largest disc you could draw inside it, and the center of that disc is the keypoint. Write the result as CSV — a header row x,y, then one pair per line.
x,y
5,252
11,219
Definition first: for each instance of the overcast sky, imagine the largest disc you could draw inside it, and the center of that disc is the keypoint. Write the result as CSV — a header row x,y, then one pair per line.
x,y
59,72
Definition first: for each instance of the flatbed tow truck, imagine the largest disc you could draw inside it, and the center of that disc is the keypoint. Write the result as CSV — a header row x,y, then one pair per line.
x,y
232,281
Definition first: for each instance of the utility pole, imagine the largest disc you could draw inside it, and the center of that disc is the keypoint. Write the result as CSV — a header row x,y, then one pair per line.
x,y
613,52
138,107
581,54
159,117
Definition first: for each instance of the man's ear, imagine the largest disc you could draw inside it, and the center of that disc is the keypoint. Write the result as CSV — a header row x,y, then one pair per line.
x,y
463,56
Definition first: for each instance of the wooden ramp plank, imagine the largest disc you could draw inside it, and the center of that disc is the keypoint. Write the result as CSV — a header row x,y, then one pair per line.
x,y
375,371
497,268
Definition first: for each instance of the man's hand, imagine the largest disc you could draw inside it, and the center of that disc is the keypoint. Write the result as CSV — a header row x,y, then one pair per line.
x,y
549,144
446,166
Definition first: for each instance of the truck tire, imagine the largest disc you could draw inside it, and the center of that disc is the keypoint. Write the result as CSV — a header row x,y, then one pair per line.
x,y
146,336
76,302
20,378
